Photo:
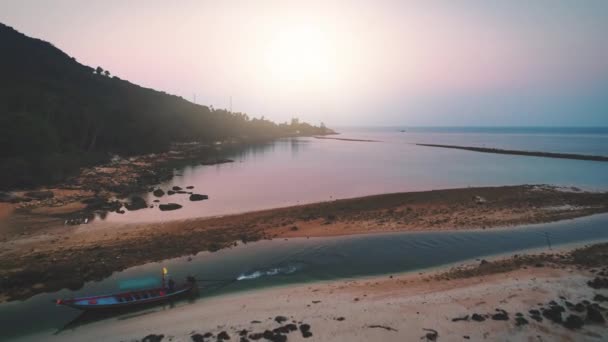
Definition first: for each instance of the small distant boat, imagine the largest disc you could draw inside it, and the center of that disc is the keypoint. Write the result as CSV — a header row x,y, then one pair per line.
x,y
131,298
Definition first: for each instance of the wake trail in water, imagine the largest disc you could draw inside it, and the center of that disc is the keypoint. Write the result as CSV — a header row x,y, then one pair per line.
x,y
271,271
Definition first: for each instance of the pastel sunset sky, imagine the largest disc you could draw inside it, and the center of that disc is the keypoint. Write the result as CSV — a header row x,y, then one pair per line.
x,y
477,62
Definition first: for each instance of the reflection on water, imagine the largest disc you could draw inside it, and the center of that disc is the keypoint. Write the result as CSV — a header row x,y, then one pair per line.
x,y
303,170
279,262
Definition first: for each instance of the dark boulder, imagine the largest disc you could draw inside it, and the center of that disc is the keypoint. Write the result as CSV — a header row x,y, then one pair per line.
x,y
153,338
597,283
39,195
197,197
600,298
280,319
573,322
463,318
554,314
159,193
519,321
502,315
256,336
197,338
176,188
223,336
594,315
169,206
190,187
478,317
136,203
170,192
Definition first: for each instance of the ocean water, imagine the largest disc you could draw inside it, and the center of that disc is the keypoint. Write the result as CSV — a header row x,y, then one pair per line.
x,y
281,262
304,170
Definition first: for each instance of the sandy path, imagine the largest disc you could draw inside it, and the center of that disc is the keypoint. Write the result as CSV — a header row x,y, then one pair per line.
x,y
406,303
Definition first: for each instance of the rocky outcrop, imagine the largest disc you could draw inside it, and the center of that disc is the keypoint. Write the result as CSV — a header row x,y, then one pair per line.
x,y
169,206
136,203
197,197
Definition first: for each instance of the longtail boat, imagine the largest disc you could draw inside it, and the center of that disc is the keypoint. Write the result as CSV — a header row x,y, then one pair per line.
x,y
131,298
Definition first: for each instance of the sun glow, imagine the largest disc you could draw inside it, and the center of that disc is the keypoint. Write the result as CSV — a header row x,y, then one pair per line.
x,y
301,54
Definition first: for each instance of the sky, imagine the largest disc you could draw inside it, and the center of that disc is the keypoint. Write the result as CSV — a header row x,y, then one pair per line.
x,y
348,63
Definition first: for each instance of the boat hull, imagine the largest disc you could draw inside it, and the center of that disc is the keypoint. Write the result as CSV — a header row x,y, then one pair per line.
x,y
127,299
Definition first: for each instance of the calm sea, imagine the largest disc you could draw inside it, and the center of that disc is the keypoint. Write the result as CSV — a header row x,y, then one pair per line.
x,y
304,170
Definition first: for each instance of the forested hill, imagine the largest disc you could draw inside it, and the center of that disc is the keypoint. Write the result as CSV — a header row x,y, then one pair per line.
x,y
57,113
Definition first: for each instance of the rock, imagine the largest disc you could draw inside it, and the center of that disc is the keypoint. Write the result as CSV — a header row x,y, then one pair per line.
x,y
243,332
256,336
598,283
153,338
600,298
156,201
553,314
519,321
176,188
169,206
573,322
280,319
464,318
40,195
223,336
502,315
137,203
431,335
197,197
594,315
159,193
190,187
339,319
579,307
170,192
197,338
478,318
483,262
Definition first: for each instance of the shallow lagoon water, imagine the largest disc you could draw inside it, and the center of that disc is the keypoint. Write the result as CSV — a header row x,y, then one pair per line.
x,y
304,170
281,262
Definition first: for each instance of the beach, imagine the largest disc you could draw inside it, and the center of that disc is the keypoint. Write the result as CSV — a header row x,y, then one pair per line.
x,y
42,256
442,305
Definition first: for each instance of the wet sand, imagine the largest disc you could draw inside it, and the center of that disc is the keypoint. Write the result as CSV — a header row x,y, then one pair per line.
x,y
407,307
43,255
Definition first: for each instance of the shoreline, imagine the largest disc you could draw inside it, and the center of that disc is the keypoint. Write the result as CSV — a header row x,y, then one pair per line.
x,y
54,257
504,293
572,156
